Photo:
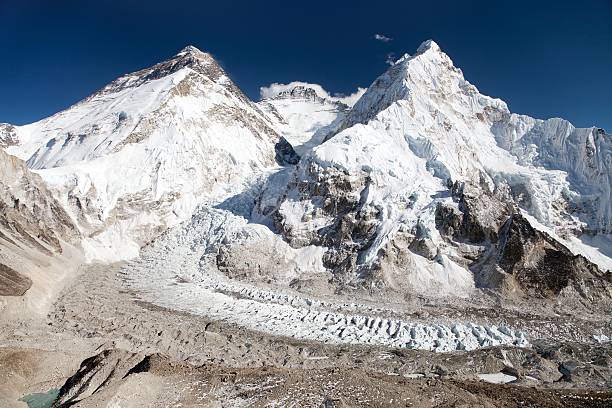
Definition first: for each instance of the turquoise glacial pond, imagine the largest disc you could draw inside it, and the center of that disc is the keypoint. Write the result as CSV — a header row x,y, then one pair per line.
x,y
40,399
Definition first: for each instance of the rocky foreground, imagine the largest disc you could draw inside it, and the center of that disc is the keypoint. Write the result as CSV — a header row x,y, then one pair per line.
x,y
100,344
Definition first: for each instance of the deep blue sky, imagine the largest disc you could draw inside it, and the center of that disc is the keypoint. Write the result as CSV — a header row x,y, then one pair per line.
x,y
545,58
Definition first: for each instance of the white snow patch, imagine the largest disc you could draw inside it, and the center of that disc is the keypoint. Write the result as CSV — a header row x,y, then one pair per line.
x,y
497,378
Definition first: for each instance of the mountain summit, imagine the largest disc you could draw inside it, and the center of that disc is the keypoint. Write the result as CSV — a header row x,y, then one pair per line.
x,y
422,149
192,50
142,153
189,57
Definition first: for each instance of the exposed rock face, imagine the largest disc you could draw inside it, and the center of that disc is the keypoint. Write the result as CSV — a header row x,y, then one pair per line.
x,y
189,57
531,259
8,135
29,214
102,370
542,266
12,283
308,94
300,92
33,229
480,212
337,197
284,153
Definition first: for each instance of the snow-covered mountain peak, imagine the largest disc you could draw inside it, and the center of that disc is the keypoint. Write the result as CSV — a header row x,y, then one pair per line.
x,y
428,45
428,53
194,58
143,152
383,176
298,92
428,75
307,93
192,50
188,58
299,112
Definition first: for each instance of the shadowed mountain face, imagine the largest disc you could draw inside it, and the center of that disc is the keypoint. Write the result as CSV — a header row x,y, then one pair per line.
x,y
33,224
30,216
544,267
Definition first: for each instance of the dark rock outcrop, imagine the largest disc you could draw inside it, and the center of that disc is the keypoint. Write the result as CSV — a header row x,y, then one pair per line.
x,y
284,153
479,213
12,283
8,136
341,197
102,370
514,255
542,266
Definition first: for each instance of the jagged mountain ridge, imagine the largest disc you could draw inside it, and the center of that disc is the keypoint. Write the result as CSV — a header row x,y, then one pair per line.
x,y
37,239
30,216
370,192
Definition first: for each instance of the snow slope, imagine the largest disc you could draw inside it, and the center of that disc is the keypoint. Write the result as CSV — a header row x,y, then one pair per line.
x,y
301,115
139,155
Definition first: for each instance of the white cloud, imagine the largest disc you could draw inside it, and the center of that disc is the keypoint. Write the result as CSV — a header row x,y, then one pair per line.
x,y
391,58
274,89
351,99
382,37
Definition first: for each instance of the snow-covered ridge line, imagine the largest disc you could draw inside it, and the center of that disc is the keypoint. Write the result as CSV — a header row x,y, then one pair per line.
x,y
298,89
301,112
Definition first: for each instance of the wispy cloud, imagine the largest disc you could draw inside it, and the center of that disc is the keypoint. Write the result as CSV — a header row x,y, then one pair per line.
x,y
351,99
391,58
382,37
